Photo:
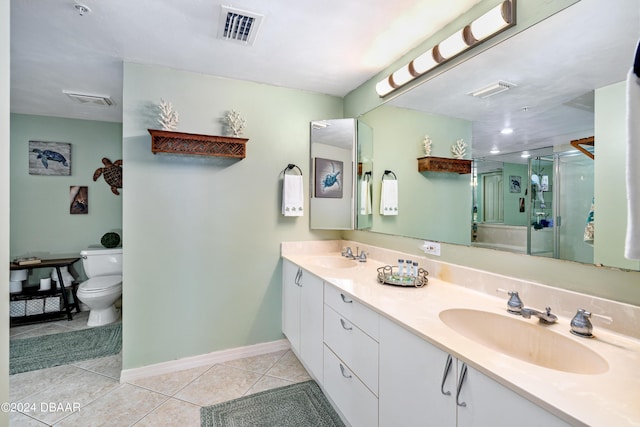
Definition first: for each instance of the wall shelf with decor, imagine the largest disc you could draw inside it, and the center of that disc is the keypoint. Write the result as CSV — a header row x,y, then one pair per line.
x,y
191,144
443,164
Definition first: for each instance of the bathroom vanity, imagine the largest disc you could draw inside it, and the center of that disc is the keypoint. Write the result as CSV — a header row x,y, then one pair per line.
x,y
387,355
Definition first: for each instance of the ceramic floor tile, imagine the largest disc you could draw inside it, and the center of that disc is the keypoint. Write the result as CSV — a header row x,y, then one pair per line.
x,y
289,368
267,383
19,330
27,383
111,366
16,419
123,406
218,384
68,394
170,383
44,329
171,413
259,364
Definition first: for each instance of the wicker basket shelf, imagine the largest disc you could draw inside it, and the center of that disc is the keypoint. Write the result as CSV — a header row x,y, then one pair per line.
x,y
443,164
191,144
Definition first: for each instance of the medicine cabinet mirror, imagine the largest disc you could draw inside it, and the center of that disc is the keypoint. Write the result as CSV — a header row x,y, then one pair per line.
x,y
341,174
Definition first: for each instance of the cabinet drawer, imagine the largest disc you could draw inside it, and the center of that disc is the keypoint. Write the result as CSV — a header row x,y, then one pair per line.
x,y
357,349
354,400
363,317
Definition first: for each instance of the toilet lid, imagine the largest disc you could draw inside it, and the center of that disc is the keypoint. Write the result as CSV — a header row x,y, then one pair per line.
x,y
101,283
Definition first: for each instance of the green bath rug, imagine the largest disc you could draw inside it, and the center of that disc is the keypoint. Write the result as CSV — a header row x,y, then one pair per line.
x,y
295,405
29,354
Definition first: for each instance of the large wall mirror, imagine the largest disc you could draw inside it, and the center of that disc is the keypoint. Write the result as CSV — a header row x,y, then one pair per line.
x,y
545,87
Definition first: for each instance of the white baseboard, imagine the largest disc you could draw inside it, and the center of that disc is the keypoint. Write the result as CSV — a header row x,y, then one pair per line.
x,y
128,375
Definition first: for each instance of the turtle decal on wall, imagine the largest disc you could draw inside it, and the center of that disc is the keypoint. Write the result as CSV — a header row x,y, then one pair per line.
x,y
112,173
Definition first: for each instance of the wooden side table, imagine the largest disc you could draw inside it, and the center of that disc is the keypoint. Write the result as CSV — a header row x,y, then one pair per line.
x,y
33,292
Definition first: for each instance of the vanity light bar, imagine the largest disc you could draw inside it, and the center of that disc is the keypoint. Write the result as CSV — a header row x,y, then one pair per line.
x,y
486,26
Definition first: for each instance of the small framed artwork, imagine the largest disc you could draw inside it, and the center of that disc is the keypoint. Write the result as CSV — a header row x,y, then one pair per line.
x,y
514,184
328,178
79,200
49,158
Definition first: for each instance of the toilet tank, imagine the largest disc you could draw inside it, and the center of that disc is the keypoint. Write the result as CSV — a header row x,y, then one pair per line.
x,y
102,262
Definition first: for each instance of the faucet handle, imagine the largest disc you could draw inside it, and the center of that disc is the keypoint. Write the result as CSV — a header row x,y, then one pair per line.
x,y
362,257
581,325
347,252
514,305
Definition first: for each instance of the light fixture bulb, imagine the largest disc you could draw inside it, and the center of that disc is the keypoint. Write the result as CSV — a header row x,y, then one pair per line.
x,y
489,23
383,87
525,155
494,151
452,45
402,76
424,62
506,131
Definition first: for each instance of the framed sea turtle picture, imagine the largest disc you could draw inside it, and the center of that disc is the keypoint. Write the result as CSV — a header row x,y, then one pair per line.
x,y
328,178
49,158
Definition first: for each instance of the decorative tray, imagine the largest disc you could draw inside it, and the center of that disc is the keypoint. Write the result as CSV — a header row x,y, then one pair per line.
x,y
388,275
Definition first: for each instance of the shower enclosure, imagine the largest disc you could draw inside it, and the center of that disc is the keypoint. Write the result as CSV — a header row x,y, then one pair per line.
x,y
560,201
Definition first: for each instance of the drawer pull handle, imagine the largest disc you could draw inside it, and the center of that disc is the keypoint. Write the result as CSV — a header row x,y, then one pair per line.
x,y
445,374
463,375
345,299
343,372
344,325
298,277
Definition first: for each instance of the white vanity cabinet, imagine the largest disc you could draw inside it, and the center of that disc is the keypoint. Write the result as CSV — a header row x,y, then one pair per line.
x,y
302,307
351,358
418,387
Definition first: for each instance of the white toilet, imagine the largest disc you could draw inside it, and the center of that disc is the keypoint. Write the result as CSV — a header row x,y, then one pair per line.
x,y
103,267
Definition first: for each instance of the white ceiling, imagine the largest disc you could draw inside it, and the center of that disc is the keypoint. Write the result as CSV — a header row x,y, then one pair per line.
x,y
556,66
332,47
325,46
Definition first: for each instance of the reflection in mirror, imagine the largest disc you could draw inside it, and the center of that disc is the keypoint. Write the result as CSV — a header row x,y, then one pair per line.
x,y
539,204
565,76
341,155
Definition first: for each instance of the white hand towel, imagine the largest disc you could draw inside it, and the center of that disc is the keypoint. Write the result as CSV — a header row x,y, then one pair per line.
x,y
292,195
389,197
632,241
365,197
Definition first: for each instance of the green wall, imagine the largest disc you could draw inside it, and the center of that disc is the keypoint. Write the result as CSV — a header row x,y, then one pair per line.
x,y
202,235
431,204
610,182
40,218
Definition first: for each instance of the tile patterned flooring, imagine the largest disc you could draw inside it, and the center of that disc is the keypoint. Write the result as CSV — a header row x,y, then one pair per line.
x,y
173,399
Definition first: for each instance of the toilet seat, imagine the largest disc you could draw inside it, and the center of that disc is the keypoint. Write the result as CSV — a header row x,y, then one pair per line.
x,y
100,284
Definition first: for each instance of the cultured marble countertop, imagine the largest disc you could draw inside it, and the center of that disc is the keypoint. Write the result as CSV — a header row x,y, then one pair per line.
x,y
608,399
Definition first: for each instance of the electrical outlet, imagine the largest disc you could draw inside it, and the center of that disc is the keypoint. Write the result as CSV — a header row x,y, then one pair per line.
x,y
431,248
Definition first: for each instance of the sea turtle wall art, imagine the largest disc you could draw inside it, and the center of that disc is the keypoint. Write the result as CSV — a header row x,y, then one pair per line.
x,y
49,158
112,173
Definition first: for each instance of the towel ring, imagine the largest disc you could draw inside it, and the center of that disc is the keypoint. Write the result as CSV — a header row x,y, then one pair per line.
x,y
289,167
388,172
367,176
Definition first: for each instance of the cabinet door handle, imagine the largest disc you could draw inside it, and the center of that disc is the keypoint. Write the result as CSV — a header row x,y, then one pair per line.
x,y
343,372
344,325
345,299
463,375
445,374
298,277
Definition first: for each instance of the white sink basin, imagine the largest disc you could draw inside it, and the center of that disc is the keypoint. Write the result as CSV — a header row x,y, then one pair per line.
x,y
334,262
525,340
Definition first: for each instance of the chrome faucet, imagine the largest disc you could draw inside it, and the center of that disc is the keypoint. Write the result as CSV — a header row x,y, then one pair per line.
x,y
581,325
546,317
514,305
348,253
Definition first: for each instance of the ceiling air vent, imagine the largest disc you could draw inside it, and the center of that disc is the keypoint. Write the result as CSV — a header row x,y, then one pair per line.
x,y
88,99
238,25
492,89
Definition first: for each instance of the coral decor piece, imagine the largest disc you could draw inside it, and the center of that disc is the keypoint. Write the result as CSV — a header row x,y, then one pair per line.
x,y
112,174
458,149
235,122
427,145
168,116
